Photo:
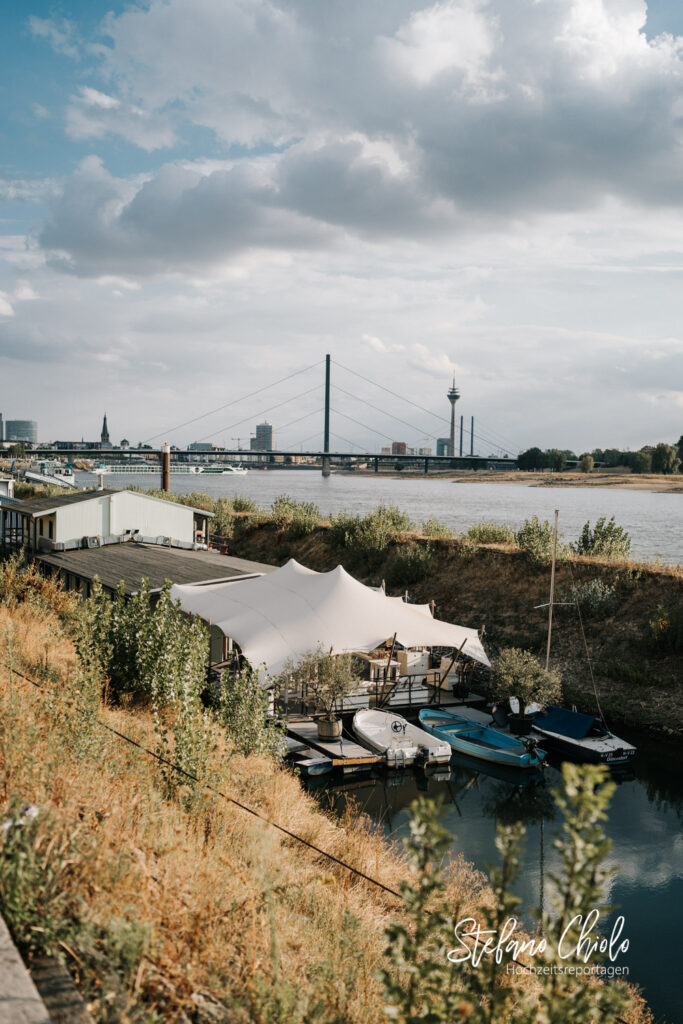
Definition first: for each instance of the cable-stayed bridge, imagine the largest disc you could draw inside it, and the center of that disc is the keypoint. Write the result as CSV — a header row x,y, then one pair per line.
x,y
337,402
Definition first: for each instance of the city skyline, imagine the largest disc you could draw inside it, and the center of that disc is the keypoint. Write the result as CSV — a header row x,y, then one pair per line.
x,y
481,189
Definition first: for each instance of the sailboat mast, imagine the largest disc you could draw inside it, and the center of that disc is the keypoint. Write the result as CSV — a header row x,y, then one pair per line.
x,y
552,591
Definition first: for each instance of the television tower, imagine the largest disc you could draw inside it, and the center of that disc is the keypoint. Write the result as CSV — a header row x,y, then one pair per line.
x,y
453,396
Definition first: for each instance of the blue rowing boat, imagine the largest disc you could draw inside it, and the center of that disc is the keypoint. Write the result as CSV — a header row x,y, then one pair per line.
x,y
469,737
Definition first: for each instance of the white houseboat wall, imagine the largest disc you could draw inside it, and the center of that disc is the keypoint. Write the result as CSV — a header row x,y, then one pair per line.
x,y
96,518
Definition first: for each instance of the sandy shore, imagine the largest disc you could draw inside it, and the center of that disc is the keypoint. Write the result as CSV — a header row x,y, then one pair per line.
x,y
621,480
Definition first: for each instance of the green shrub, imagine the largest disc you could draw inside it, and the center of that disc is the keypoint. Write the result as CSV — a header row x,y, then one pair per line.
x,y
243,711
487,532
243,503
38,862
152,651
594,597
435,530
223,522
586,463
535,537
517,673
665,629
371,534
23,490
606,540
296,518
408,564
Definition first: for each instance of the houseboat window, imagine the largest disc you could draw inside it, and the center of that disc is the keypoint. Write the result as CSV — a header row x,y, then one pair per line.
x,y
40,527
50,529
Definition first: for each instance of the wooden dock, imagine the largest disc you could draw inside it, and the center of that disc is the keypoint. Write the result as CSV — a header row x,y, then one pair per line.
x,y
345,754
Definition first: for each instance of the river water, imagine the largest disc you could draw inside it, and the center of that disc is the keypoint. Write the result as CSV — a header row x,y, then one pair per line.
x,y
652,519
644,826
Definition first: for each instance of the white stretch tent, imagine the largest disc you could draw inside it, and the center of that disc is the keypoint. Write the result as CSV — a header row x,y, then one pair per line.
x,y
281,615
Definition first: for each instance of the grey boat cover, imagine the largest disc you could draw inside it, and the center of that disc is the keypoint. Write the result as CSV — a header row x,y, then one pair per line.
x,y
572,724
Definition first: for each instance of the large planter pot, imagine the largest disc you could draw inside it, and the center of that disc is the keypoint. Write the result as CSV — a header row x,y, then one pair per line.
x,y
520,725
329,729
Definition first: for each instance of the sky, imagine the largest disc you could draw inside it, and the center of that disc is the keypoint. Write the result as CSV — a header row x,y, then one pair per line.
x,y
200,197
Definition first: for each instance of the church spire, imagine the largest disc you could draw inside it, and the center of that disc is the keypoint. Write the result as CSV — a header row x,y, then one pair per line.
x,y
105,431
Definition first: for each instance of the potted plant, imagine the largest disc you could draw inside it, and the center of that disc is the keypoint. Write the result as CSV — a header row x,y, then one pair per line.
x,y
518,674
325,678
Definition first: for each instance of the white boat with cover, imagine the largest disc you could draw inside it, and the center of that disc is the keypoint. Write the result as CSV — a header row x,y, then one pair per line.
x,y
399,740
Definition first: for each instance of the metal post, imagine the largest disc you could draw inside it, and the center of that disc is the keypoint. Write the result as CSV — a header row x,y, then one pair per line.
x,y
472,436
326,439
376,465
552,594
426,465
461,437
166,468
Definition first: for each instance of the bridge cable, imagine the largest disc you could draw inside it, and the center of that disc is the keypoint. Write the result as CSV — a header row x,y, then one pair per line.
x,y
402,398
273,384
263,412
384,412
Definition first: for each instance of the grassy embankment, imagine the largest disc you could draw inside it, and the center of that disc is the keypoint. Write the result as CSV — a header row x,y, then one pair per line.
x,y
181,908
637,660
162,911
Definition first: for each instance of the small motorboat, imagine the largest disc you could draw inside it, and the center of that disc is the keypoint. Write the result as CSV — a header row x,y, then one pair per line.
x,y
480,741
582,737
308,761
401,742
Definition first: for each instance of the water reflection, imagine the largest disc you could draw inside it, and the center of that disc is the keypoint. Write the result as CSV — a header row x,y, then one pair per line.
x,y
643,825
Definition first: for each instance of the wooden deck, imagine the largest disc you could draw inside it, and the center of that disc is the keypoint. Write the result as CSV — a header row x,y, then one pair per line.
x,y
345,754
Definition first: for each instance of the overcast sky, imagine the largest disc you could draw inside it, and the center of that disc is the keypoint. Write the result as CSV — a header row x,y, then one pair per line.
x,y
202,196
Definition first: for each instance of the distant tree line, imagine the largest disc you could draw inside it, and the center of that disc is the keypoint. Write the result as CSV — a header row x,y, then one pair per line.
x,y
662,458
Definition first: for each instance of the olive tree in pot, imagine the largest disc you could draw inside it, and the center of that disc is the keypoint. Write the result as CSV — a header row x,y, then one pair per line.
x,y
325,679
517,673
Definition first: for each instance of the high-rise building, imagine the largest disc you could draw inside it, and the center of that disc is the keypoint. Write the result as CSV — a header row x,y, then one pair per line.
x,y
453,396
2,436
263,441
398,448
21,430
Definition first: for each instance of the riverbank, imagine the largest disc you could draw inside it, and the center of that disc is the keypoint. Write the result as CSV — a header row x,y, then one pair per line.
x,y
631,613
165,898
179,910
171,903
620,478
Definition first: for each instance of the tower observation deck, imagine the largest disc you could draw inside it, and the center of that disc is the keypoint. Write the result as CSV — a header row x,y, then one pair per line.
x,y
453,396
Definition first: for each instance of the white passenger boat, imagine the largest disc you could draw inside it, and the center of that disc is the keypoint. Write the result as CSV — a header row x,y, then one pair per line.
x,y
399,740
133,468
222,470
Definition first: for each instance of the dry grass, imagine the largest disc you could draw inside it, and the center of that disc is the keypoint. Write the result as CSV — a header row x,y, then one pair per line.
x,y
216,890
172,908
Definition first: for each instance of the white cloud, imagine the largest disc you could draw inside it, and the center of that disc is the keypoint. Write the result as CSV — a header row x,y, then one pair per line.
x,y
377,345
448,37
438,364
58,32
489,188
5,305
93,114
